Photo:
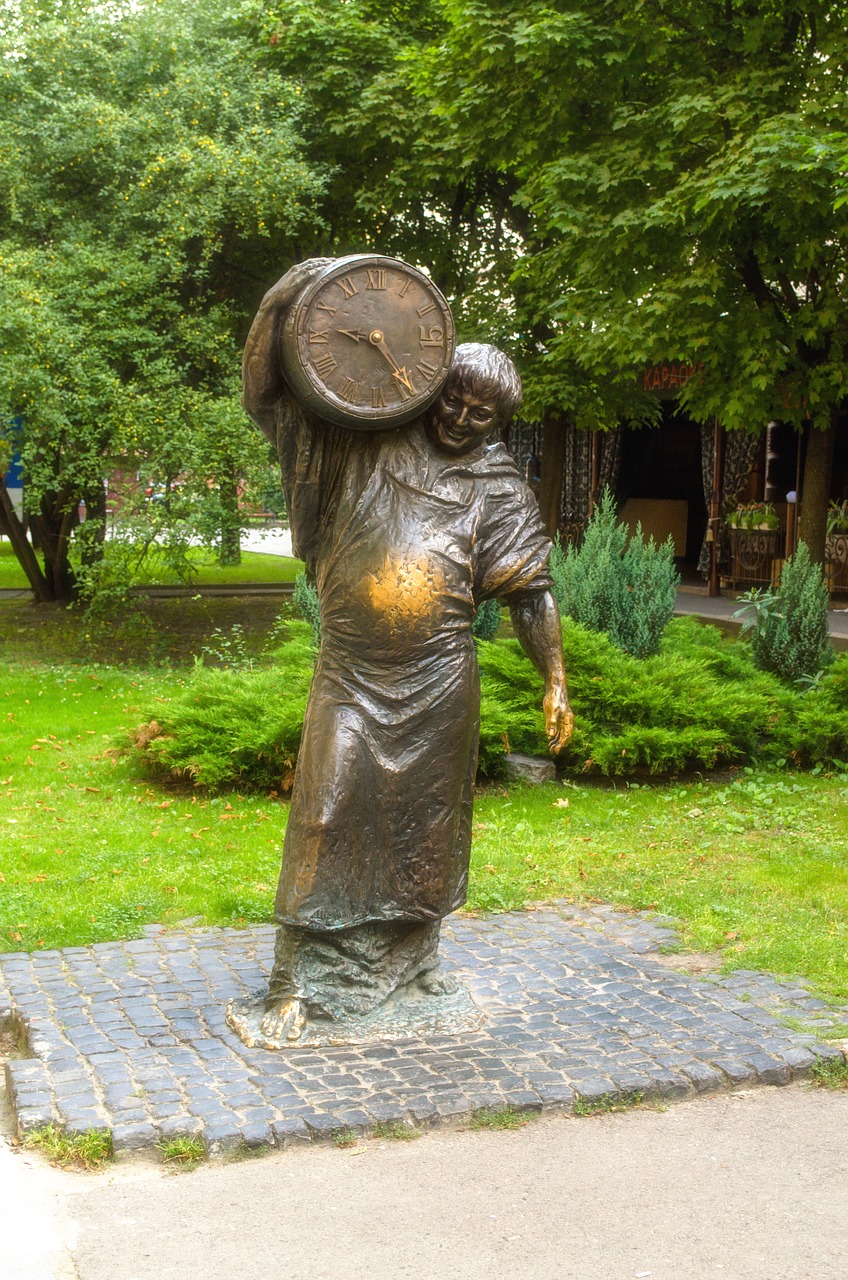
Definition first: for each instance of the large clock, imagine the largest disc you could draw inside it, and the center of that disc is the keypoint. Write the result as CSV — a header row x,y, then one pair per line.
x,y
368,343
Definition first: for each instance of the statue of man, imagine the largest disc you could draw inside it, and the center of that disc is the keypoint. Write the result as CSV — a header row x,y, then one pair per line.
x,y
404,533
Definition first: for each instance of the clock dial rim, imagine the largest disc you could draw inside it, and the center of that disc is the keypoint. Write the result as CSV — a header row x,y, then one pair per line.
x,y
308,385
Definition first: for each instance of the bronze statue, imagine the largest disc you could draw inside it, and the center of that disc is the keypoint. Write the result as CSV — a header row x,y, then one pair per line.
x,y
404,531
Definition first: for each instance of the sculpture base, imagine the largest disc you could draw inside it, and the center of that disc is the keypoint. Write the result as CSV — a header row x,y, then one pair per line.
x,y
408,1013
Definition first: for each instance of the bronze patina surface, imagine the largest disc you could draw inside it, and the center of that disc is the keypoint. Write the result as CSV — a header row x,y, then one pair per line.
x,y
404,531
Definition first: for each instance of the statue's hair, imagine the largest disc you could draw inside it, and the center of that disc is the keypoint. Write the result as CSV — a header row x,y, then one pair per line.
x,y
485,371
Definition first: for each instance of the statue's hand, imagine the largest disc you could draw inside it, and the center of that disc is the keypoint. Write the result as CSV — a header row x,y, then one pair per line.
x,y
284,292
559,718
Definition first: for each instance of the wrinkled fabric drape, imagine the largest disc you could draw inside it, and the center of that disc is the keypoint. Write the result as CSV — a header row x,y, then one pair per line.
x,y
403,542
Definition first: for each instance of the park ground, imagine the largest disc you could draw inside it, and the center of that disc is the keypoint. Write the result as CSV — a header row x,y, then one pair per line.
x,y
751,1185
746,1186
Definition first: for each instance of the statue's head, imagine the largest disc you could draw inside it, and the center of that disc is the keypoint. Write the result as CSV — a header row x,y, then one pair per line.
x,y
481,394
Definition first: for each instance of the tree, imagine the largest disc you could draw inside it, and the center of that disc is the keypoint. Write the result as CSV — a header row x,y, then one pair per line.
x,y
151,182
393,187
681,168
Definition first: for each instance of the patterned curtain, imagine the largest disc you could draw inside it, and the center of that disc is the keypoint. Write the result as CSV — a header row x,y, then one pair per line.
x,y
577,476
740,454
524,442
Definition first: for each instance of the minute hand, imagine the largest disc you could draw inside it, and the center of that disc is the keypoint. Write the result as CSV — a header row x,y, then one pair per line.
x,y
378,340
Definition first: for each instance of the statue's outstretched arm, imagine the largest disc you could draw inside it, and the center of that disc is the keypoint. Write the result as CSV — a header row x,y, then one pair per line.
x,y
262,376
535,619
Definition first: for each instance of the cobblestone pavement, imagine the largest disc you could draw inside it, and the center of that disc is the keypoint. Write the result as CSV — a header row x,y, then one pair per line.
x,y
130,1036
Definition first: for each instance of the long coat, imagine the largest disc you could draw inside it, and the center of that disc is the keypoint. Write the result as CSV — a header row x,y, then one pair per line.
x,y
403,542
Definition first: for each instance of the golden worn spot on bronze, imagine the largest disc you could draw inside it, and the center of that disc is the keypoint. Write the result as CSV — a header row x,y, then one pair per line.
x,y
406,591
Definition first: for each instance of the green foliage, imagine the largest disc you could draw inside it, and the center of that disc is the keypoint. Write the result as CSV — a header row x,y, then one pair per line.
x,y
182,1154
684,193
755,854
623,586
822,718
151,181
234,729
89,1150
793,639
698,703
487,620
495,1118
395,1131
608,1103
307,606
830,1073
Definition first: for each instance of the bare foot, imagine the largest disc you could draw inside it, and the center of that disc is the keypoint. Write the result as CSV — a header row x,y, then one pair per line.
x,y
284,1022
437,983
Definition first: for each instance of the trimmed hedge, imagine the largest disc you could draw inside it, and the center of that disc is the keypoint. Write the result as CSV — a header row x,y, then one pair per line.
x,y
700,703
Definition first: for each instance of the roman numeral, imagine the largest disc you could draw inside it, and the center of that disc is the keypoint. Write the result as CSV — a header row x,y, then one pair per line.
x,y
425,311
325,365
347,286
322,306
376,279
348,390
318,337
426,369
378,400
402,291
406,392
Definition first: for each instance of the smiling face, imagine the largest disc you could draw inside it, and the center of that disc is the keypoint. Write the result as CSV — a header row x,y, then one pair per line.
x,y
459,420
480,396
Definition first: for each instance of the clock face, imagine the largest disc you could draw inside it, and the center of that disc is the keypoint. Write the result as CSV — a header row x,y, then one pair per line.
x,y
368,343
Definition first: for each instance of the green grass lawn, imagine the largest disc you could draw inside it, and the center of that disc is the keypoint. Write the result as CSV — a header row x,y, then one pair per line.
x,y
153,632
256,566
11,573
752,865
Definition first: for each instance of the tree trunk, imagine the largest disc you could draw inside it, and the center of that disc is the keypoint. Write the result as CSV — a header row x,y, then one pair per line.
x,y
815,490
230,522
54,526
20,545
553,466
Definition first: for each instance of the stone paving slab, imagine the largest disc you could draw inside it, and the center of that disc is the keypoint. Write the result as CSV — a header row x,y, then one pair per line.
x,y
130,1036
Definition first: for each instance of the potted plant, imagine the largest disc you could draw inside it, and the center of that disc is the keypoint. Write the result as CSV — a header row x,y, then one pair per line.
x,y
837,518
764,516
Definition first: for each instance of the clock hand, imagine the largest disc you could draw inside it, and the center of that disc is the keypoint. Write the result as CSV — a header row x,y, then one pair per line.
x,y
353,333
377,340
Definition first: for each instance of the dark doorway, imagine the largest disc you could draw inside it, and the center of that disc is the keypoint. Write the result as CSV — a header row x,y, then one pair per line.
x,y
661,465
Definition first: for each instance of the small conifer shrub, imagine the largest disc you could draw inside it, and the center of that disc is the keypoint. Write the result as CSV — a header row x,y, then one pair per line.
x,y
306,605
792,639
616,583
487,619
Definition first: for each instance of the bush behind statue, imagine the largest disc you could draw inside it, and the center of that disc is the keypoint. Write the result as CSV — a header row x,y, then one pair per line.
x,y
234,728
699,703
792,638
617,583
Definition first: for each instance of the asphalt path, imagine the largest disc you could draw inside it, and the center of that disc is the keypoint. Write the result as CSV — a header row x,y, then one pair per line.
x,y
745,1186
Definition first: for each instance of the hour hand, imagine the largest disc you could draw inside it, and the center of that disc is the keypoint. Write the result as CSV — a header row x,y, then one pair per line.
x,y
356,334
